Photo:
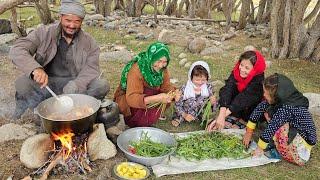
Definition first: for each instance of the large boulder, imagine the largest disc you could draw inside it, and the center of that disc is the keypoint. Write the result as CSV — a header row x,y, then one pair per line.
x,y
99,146
314,99
5,26
123,55
165,36
197,45
211,51
13,131
35,150
97,17
6,38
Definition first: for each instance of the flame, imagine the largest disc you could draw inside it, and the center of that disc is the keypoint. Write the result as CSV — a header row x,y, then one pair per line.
x,y
66,141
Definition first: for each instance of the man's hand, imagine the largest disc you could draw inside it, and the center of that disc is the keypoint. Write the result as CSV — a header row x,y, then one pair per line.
x,y
40,76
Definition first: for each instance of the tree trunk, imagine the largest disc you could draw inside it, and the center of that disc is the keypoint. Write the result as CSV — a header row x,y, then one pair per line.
x,y
164,5
296,26
180,7
274,28
261,10
313,13
245,9
312,39
204,9
251,15
134,8
14,23
192,9
267,15
289,34
119,4
171,8
130,7
316,53
43,11
139,5
100,7
286,32
155,5
236,6
8,4
227,6
107,5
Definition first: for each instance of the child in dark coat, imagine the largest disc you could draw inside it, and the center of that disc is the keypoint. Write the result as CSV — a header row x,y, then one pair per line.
x,y
242,92
290,124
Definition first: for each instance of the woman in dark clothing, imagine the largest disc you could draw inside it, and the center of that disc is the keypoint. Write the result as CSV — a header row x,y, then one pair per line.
x,y
242,92
290,124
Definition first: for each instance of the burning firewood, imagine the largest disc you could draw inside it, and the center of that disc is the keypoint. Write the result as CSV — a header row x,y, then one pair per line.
x,y
53,163
70,152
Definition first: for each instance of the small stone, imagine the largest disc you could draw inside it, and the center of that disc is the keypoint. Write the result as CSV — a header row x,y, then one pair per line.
x,y
187,65
182,55
140,36
174,81
249,48
264,50
183,61
132,31
252,35
268,64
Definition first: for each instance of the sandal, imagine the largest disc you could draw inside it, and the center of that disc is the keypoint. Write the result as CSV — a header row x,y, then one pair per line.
x,y
176,122
162,118
238,125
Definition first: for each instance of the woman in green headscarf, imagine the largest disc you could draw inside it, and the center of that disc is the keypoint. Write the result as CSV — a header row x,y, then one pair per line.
x,y
144,80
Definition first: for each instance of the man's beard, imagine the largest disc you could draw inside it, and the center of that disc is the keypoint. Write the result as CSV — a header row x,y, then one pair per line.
x,y
68,35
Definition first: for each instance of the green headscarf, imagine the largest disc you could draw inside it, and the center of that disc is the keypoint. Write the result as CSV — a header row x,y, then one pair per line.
x,y
145,62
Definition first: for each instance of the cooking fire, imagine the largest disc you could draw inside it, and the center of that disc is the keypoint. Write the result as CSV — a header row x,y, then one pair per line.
x,y
69,155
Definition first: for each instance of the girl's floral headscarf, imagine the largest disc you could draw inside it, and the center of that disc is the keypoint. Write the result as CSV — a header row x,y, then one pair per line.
x,y
145,62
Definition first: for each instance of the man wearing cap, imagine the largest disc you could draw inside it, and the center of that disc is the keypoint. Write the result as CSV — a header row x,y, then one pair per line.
x,y
59,55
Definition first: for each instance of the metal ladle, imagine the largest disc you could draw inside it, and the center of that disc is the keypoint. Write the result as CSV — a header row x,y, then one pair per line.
x,y
65,103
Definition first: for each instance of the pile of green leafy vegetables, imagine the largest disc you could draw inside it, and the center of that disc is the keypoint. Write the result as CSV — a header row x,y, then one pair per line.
x,y
201,146
147,148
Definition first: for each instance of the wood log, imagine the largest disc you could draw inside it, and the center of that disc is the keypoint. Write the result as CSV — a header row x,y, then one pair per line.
x,y
191,19
56,160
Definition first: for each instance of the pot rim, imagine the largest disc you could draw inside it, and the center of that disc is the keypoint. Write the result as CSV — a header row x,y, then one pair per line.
x,y
36,111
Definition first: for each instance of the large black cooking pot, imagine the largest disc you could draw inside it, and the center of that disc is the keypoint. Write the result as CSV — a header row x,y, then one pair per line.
x,y
78,126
